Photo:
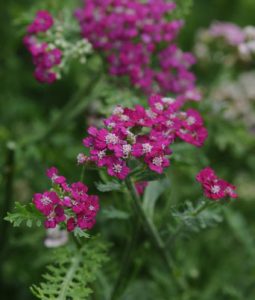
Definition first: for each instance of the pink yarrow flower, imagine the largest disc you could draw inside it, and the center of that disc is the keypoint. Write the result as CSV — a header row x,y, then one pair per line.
x,y
134,33
42,22
214,187
71,205
144,135
232,33
44,58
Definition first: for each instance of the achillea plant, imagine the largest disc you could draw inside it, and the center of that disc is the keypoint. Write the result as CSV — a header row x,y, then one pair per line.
x,y
134,148
131,151
138,40
144,135
68,204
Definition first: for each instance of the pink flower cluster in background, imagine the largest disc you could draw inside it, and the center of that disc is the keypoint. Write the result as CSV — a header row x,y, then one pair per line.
x,y
44,58
214,187
232,33
69,204
138,40
232,42
142,134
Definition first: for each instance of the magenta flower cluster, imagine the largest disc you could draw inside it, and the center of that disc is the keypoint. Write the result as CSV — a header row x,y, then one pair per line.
x,y
137,38
67,204
142,134
44,58
214,187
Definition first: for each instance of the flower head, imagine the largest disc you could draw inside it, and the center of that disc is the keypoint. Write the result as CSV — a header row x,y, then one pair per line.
x,y
71,205
144,135
134,33
214,187
42,22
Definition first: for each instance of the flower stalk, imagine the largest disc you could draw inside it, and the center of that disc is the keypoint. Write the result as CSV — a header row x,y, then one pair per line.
x,y
126,260
149,226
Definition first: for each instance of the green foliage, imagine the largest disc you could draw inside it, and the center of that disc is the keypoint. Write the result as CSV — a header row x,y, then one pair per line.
x,y
108,186
73,272
114,213
79,233
27,214
152,193
193,218
148,175
214,264
241,230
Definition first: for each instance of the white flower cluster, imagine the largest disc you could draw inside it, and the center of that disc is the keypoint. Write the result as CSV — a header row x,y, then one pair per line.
x,y
62,36
237,99
246,49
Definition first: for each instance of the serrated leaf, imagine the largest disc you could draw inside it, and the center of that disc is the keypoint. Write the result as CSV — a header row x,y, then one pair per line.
x,y
72,272
108,187
26,214
113,213
79,233
194,218
152,192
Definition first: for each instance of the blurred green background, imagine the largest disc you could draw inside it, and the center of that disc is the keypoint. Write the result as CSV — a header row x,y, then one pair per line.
x,y
219,262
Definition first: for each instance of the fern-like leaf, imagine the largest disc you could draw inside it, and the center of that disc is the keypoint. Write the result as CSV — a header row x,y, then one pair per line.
x,y
79,233
108,187
73,272
192,219
196,218
27,214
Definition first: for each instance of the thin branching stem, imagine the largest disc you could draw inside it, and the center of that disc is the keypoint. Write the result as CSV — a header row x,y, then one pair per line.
x,y
126,261
149,226
82,173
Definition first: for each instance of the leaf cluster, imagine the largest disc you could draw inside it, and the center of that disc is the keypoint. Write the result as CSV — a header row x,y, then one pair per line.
x,y
72,274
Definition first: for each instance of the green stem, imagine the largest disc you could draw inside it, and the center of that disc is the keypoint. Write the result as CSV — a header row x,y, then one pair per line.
x,y
75,240
74,264
126,261
149,226
82,174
